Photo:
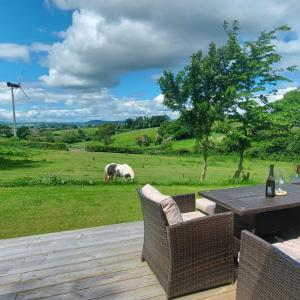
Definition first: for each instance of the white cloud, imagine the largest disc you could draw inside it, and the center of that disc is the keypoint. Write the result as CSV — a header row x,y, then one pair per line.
x,y
43,104
110,38
40,47
96,52
280,93
14,52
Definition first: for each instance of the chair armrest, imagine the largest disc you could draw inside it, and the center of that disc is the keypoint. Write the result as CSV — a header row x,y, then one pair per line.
x,y
202,237
186,203
265,271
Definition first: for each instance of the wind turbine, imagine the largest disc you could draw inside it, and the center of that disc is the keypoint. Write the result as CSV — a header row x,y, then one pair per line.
x,y
13,86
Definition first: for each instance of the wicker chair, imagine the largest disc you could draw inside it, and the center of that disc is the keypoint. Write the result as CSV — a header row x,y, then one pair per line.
x,y
194,255
266,273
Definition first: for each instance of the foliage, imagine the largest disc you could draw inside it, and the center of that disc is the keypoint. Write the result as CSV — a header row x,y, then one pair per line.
x,y
104,133
112,149
174,129
48,136
201,93
144,140
69,137
253,68
5,131
145,122
23,132
36,145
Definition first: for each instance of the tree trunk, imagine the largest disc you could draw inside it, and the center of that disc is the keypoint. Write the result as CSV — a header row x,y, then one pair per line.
x,y
205,158
240,169
204,168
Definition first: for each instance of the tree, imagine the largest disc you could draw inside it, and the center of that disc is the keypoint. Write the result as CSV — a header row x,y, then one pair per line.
x,y
253,70
23,132
48,136
201,93
5,131
69,137
104,133
144,140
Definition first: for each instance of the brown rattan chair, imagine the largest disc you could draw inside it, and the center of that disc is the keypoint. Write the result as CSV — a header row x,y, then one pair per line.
x,y
265,272
190,256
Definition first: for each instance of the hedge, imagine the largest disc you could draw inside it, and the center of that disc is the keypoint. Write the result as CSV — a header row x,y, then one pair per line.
x,y
37,145
113,149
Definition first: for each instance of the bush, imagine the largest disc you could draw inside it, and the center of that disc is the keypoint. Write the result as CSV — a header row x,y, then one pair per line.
x,y
113,149
69,137
39,145
144,140
23,132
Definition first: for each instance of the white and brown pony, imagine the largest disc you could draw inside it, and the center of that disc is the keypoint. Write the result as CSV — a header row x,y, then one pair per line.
x,y
112,171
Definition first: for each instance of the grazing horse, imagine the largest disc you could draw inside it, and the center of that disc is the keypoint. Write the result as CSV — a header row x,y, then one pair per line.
x,y
112,171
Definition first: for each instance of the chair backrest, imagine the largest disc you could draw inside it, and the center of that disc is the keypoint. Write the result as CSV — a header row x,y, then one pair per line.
x,y
152,212
156,244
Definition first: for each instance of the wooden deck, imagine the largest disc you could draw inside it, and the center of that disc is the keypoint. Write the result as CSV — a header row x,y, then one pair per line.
x,y
94,263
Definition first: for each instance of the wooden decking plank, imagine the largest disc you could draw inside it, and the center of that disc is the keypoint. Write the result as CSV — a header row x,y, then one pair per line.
x,y
14,255
84,283
39,250
59,264
94,263
80,266
39,282
72,234
138,294
108,289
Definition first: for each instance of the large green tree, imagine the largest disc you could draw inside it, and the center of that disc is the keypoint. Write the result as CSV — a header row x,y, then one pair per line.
x,y
201,93
255,72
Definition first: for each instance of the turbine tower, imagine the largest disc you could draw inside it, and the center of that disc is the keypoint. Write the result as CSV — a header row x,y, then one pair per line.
x,y
12,87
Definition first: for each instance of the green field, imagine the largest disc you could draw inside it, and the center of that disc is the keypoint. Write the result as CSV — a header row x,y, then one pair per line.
x,y
84,200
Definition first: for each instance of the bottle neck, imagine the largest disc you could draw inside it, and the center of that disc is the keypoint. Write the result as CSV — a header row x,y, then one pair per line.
x,y
271,173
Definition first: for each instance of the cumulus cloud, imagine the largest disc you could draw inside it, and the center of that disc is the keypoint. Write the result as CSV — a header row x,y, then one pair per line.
x,y
42,105
110,38
14,52
280,93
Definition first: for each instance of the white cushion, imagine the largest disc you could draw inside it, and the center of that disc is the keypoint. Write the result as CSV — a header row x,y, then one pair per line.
x,y
153,194
168,204
290,248
206,206
171,211
192,215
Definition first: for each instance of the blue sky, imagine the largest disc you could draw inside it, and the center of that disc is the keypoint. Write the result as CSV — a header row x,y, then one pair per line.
x,y
80,60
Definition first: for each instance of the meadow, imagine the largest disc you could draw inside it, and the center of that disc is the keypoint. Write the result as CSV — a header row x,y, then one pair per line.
x,y
45,191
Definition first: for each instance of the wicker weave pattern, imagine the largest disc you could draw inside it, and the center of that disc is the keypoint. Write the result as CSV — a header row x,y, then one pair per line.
x,y
186,203
190,256
265,273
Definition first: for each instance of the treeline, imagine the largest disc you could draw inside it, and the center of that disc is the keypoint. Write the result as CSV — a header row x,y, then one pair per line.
x,y
145,122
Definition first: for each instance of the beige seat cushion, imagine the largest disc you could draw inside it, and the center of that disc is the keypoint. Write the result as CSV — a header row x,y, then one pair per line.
x,y
167,203
153,194
171,211
290,248
192,215
206,206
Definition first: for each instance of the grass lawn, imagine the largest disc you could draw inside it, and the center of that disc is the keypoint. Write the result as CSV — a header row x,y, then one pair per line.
x,y
42,208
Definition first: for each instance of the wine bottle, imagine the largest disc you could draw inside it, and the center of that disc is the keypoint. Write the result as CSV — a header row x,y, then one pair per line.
x,y
270,184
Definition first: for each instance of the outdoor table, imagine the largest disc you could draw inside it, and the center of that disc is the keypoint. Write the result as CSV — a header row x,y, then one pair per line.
x,y
256,212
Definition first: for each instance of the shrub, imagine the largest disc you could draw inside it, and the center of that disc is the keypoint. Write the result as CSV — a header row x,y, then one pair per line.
x,y
113,149
144,140
69,137
23,132
38,145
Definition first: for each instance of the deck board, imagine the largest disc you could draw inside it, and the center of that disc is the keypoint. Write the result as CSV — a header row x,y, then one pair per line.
x,y
94,263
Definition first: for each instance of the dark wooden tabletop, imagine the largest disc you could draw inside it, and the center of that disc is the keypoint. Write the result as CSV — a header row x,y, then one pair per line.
x,y
251,199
